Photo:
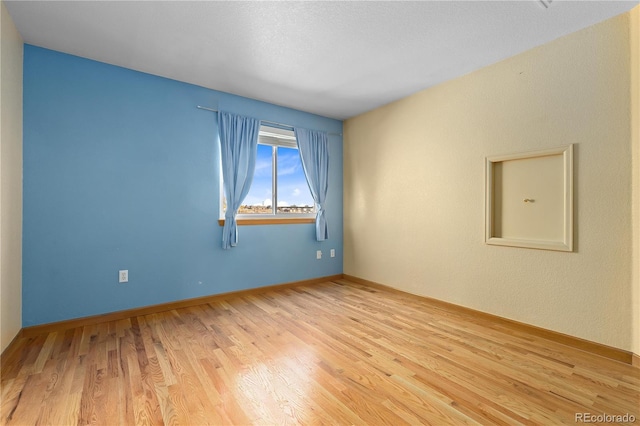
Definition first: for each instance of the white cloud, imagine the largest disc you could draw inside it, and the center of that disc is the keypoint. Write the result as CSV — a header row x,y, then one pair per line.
x,y
288,164
263,168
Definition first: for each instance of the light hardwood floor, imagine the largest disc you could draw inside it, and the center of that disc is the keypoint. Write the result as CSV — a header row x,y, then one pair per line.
x,y
333,353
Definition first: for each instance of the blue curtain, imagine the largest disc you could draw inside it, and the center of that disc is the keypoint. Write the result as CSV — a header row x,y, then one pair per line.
x,y
238,148
314,151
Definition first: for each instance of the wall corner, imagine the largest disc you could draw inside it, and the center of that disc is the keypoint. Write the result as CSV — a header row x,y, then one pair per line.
x,y
11,89
634,44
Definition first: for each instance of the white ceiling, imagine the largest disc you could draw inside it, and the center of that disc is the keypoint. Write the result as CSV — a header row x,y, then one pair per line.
x,y
336,59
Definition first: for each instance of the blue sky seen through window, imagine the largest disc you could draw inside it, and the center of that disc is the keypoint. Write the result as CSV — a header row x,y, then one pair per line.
x,y
292,186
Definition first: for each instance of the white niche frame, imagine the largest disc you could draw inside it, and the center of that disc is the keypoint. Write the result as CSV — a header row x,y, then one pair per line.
x,y
492,234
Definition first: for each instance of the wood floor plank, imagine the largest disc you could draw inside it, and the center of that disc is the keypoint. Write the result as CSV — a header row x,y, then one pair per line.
x,y
328,353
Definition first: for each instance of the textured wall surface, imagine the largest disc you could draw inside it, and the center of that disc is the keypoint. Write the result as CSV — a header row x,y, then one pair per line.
x,y
11,180
121,171
634,37
414,187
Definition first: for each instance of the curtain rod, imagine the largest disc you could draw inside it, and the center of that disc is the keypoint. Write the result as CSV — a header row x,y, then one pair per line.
x,y
263,121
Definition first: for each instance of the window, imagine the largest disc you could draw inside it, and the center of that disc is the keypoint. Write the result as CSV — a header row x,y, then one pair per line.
x,y
279,189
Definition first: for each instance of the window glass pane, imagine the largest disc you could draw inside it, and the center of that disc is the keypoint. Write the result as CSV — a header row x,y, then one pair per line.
x,y
293,191
258,201
292,194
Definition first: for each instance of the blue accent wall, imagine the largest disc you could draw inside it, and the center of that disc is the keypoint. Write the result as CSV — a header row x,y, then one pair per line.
x,y
121,171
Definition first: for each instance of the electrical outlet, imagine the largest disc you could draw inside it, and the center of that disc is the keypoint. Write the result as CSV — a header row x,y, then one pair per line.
x,y
123,276
333,252
319,254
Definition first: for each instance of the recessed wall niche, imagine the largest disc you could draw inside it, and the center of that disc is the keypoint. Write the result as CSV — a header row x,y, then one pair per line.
x,y
529,199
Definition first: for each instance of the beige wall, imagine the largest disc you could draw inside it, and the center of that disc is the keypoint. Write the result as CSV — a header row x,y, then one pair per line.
x,y
414,187
11,180
635,139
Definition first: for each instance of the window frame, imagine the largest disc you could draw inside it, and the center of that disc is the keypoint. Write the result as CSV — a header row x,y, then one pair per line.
x,y
273,137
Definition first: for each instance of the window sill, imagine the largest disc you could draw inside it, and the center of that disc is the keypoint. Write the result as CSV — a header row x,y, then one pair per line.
x,y
274,221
